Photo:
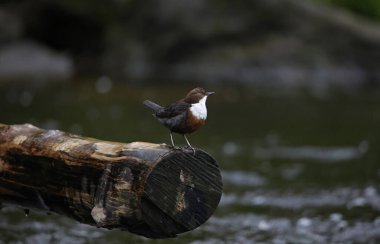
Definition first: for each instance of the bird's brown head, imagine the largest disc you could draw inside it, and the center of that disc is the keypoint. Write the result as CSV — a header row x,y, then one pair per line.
x,y
196,94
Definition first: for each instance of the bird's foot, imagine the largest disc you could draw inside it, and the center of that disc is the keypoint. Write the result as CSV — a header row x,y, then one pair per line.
x,y
175,147
181,148
192,148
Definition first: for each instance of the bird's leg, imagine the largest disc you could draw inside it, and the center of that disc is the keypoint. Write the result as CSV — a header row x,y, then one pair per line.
x,y
188,143
171,139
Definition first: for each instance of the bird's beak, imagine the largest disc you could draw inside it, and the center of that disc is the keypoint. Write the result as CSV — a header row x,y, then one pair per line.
x,y
209,93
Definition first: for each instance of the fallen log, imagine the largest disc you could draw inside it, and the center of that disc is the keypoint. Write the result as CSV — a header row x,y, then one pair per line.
x,y
147,189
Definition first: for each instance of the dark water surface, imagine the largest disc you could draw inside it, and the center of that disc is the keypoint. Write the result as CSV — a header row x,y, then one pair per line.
x,y
296,168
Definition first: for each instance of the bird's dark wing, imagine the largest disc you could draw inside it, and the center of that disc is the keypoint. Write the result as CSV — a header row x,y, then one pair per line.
x,y
173,110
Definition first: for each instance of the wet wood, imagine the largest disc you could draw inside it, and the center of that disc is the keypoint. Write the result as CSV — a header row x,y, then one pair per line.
x,y
147,189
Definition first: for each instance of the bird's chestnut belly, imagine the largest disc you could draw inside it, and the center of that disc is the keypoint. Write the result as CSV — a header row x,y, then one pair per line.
x,y
189,124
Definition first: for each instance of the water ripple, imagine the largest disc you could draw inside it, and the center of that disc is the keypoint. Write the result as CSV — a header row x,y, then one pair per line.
x,y
331,154
258,228
242,178
347,197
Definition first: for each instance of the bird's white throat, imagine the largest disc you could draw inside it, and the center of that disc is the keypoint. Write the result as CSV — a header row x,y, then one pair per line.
x,y
199,109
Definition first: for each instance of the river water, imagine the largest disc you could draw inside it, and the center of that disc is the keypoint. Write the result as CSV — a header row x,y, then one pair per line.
x,y
297,168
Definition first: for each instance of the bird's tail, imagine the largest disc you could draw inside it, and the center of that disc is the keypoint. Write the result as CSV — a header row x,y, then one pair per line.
x,y
154,106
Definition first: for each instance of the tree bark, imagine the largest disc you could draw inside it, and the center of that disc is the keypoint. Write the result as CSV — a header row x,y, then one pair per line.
x,y
147,189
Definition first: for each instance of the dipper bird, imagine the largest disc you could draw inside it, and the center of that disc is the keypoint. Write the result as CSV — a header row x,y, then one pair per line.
x,y
184,116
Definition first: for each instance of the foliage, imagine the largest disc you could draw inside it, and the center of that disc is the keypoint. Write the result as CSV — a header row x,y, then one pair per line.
x,y
368,8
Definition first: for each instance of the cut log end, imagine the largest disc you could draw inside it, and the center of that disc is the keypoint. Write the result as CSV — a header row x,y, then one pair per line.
x,y
181,192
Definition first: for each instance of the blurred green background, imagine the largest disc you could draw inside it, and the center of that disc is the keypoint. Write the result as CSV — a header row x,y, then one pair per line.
x,y
294,124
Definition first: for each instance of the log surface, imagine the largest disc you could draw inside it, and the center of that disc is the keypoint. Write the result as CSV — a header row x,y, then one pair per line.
x,y
147,189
